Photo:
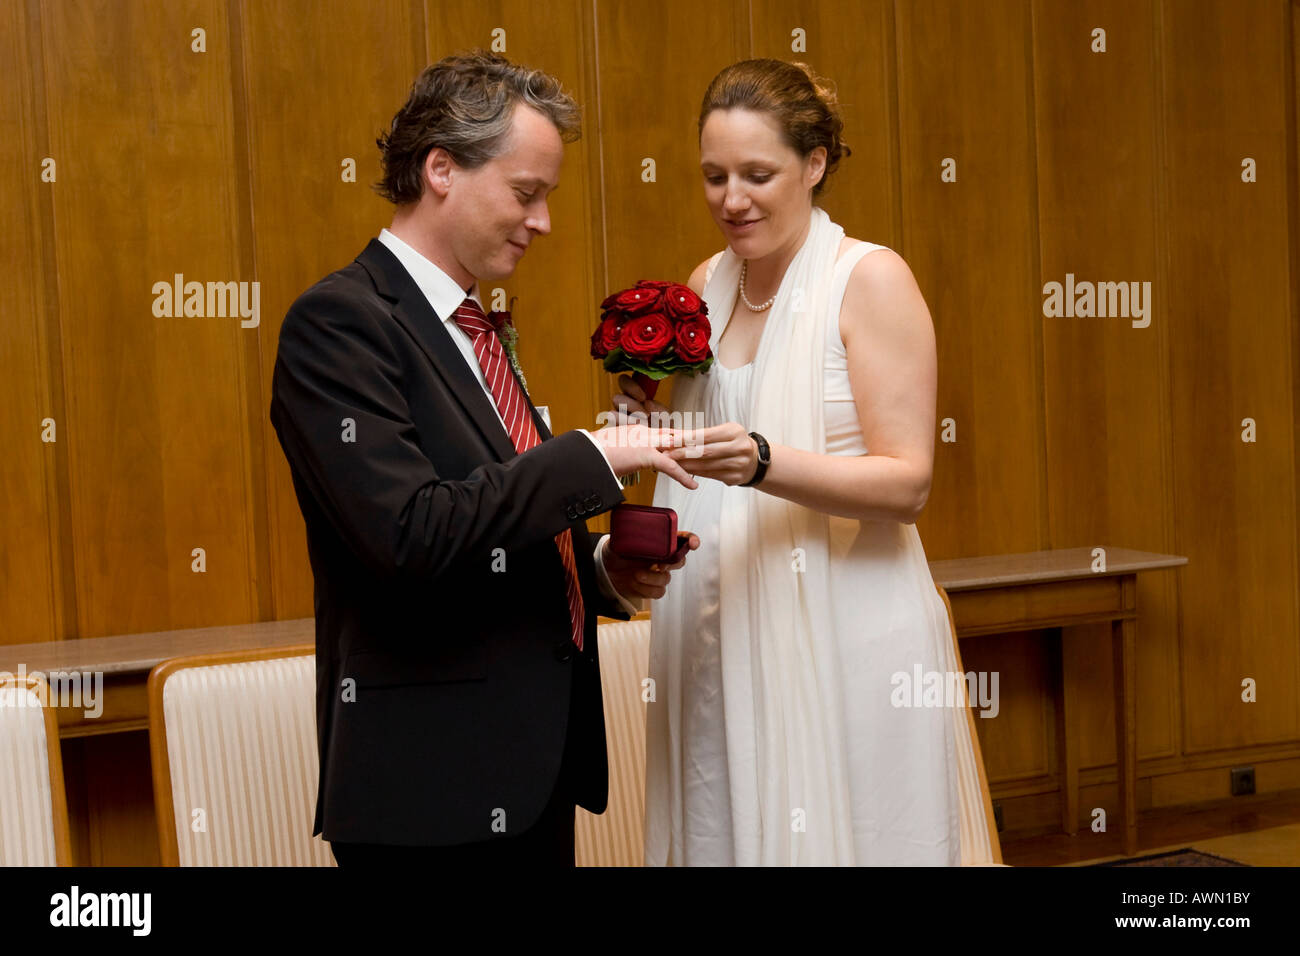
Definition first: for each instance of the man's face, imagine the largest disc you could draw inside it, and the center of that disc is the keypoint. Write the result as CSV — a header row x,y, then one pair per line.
x,y
500,207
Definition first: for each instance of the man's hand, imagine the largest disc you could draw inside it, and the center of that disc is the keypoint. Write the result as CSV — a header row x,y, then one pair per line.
x,y
641,579
631,447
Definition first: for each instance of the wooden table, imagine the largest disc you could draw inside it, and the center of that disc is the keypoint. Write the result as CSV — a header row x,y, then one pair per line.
x,y
113,814
1049,591
106,764
126,660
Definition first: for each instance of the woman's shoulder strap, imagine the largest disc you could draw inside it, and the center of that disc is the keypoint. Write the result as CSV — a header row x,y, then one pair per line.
x,y
844,265
844,269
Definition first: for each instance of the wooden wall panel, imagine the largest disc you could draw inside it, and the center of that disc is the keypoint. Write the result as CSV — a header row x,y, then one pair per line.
x,y
30,540
320,89
556,286
660,229
1018,743
851,44
964,93
141,128
1106,387
225,166
1231,323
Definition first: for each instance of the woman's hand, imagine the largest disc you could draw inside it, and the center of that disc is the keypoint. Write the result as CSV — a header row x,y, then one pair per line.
x,y
632,401
723,452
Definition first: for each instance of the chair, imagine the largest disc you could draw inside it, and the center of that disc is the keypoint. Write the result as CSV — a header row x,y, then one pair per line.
x,y
979,830
33,805
617,836
233,735
235,764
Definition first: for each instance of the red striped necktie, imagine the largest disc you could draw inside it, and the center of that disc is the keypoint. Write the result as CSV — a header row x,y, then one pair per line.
x,y
516,414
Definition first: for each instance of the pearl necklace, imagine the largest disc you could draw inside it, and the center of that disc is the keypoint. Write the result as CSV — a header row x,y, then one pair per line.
x,y
749,305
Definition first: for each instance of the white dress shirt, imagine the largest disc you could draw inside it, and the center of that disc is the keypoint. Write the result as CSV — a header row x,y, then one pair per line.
x,y
445,296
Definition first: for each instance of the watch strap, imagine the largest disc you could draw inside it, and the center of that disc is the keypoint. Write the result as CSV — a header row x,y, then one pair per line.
x,y
764,459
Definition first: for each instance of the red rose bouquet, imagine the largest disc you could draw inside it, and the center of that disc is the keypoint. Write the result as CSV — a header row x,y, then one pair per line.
x,y
652,330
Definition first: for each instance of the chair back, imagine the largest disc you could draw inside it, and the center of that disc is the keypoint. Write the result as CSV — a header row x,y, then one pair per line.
x,y
617,836
235,763
33,805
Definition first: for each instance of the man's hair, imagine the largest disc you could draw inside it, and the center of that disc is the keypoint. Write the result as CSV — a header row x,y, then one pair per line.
x,y
465,103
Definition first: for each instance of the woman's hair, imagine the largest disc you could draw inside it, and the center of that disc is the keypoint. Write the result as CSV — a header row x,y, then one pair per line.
x,y
465,103
803,103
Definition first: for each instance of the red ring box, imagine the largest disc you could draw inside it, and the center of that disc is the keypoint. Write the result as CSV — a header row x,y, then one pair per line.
x,y
646,533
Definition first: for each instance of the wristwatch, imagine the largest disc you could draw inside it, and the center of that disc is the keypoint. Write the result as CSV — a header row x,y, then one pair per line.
x,y
764,459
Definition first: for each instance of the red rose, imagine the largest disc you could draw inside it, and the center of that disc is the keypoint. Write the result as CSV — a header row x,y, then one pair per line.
x,y
635,301
605,338
646,335
681,302
653,284
692,340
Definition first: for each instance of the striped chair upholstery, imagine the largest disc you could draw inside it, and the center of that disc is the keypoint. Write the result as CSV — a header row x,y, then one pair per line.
x,y
616,837
33,806
233,738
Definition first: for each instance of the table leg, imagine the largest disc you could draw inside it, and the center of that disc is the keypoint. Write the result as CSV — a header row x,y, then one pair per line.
x,y
1067,734
1123,645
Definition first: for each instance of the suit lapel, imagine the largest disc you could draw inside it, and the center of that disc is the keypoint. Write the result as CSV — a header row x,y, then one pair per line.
x,y
413,312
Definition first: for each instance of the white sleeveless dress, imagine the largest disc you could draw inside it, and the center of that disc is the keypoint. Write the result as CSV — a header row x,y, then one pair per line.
x,y
902,767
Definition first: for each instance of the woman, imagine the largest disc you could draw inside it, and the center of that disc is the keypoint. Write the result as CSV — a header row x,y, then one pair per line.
x,y
775,736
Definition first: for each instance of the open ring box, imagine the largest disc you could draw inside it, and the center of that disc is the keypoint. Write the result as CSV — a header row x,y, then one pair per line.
x,y
647,533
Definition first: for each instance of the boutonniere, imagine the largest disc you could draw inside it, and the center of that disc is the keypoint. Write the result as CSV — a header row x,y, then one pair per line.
x,y
509,337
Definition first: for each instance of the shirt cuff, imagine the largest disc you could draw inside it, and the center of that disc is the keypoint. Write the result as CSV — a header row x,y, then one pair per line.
x,y
606,586
600,448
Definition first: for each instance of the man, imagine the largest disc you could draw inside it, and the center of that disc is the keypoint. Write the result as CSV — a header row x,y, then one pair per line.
x,y
458,703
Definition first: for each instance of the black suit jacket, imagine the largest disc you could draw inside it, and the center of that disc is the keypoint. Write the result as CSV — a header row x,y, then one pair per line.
x,y
443,653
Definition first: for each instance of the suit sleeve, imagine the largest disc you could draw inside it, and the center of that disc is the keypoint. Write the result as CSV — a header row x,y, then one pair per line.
x,y
343,421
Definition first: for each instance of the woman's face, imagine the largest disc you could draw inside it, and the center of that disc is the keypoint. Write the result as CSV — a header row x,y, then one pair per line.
x,y
757,187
